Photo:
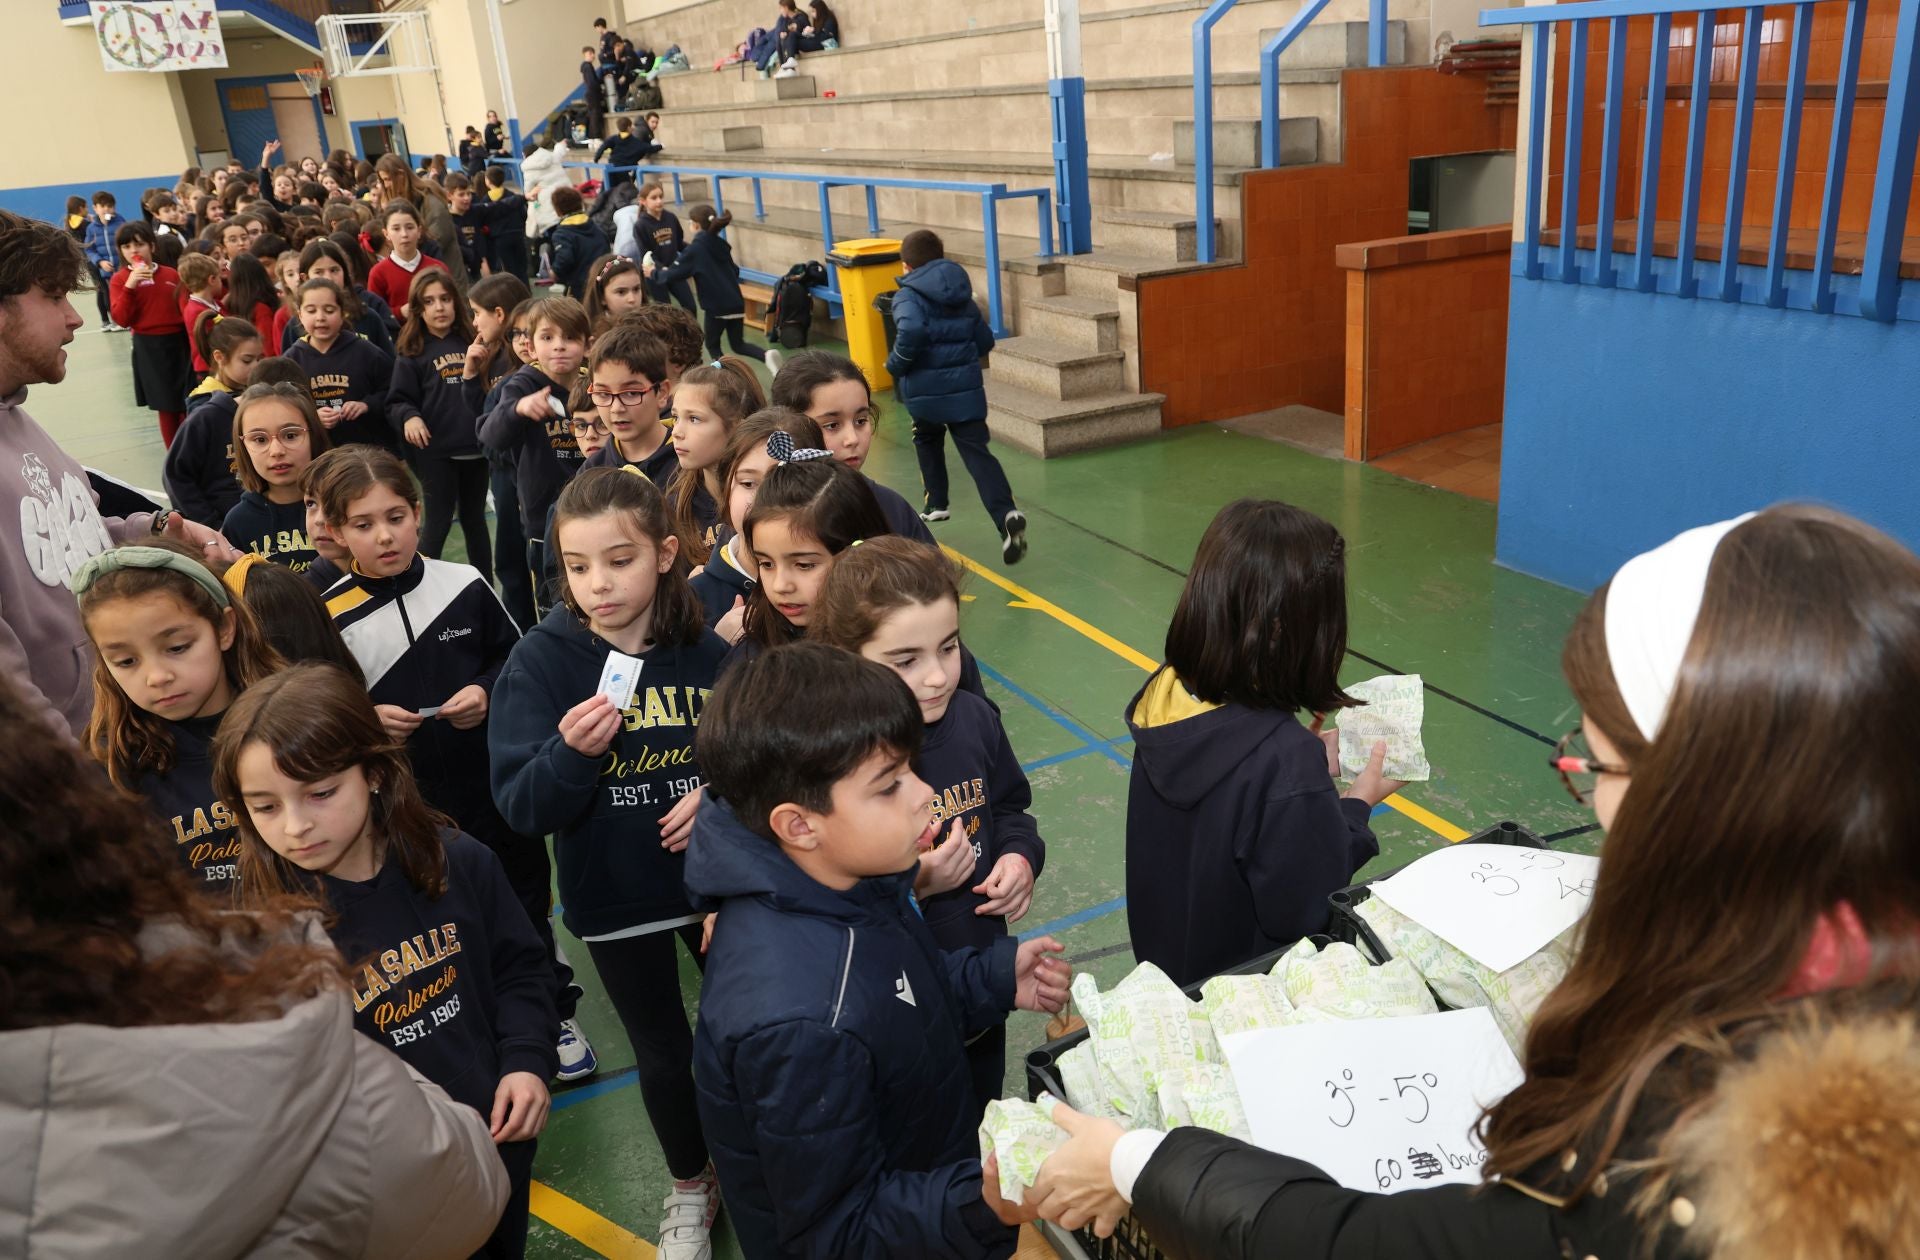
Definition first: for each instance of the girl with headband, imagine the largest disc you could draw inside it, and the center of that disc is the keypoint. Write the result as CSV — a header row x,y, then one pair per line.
x,y
173,650
1727,1068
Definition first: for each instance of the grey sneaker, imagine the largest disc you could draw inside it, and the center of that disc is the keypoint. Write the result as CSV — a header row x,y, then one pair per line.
x,y
1013,543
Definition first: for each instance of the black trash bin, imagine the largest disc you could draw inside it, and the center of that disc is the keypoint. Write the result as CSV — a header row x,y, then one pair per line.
x,y
883,302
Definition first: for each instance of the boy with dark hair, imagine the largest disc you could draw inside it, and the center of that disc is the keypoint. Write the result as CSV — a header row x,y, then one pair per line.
x,y
469,221
939,341
576,241
829,1060
102,254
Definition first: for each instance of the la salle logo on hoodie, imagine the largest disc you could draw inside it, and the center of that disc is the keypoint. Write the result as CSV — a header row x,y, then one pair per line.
x,y
903,990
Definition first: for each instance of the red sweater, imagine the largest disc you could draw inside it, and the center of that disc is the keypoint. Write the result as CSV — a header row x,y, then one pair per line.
x,y
391,281
190,311
150,309
262,321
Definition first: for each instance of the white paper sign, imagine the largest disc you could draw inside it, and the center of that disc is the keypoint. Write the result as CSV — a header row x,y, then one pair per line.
x,y
158,34
1380,1104
1499,904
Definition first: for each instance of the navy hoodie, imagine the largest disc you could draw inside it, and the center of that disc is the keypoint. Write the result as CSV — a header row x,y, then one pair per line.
x,y
428,385
353,369
935,362
198,472
829,1061
901,517
1235,832
975,777
375,322
658,467
420,637
720,581
198,821
663,237
542,453
603,812
277,531
460,987
716,277
575,242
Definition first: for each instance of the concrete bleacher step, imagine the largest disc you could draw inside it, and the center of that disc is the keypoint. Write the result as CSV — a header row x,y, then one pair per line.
x,y
1149,233
1100,273
733,139
1236,141
1338,45
794,87
1056,370
1084,323
1047,427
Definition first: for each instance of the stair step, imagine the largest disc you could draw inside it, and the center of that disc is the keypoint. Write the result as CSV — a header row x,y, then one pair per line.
x,y
1151,233
1338,46
1047,427
1086,323
1056,370
733,139
1236,141
793,88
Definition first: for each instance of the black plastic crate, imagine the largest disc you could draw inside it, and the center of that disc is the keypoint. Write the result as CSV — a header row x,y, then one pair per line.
x,y
1347,925
1129,1241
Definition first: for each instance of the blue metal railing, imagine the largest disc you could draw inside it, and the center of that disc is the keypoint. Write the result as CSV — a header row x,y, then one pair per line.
x,y
991,195
1270,54
1878,291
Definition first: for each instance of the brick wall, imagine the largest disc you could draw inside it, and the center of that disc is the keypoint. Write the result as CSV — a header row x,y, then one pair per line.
x,y
1426,336
1227,341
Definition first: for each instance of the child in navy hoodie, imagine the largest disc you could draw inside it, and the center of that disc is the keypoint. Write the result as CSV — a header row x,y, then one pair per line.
x,y
173,650
430,408
629,371
897,602
198,471
1236,831
506,214
276,435
830,1058
528,425
618,786
348,376
449,974
727,582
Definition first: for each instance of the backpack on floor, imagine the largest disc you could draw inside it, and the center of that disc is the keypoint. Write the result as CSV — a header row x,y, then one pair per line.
x,y
790,314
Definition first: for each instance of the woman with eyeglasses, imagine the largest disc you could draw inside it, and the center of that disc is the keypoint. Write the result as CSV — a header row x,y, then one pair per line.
x,y
1728,1068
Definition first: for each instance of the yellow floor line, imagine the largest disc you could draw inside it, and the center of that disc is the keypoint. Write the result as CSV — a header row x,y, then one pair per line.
x,y
586,1226
1024,598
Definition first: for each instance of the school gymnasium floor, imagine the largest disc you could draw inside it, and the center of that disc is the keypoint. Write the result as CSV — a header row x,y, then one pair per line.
x,y
1064,639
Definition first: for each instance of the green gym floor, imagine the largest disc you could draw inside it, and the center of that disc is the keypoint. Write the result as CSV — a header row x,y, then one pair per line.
x,y
1064,639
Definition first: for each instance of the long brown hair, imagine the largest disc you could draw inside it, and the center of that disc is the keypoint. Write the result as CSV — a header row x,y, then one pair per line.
x,y
869,583
736,394
123,737
677,615
1779,786
413,333
83,871
318,722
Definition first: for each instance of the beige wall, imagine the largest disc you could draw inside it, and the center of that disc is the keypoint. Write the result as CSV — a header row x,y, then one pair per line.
x,y
99,128
544,38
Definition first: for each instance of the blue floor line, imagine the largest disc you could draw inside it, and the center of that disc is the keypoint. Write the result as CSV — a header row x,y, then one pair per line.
x,y
1105,747
603,1085
1075,919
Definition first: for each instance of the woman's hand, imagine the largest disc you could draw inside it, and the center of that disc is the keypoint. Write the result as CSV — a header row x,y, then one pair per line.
x,y
1370,785
466,709
520,1105
1075,1185
398,722
1008,888
945,867
418,433
589,727
676,825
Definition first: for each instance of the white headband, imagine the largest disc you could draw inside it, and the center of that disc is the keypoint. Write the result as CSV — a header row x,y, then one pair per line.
x,y
1651,608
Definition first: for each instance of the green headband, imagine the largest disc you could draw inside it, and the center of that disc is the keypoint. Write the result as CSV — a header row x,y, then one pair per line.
x,y
149,558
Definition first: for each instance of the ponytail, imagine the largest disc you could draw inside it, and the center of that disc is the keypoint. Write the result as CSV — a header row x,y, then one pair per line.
x,y
215,333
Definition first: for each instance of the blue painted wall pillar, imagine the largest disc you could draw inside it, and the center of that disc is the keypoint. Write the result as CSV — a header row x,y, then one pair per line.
x,y
1067,97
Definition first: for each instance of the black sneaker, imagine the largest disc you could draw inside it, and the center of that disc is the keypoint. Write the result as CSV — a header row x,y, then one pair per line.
x,y
1013,543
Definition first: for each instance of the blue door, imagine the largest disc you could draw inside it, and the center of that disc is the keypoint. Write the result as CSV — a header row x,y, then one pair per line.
x,y
249,118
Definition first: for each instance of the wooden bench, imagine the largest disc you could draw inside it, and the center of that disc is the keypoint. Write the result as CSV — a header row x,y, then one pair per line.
x,y
759,300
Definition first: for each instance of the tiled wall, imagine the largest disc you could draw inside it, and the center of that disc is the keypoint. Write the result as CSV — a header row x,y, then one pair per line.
x,y
1816,128
1426,336
1228,341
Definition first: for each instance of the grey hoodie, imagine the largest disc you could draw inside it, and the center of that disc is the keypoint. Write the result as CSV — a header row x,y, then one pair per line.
x,y
287,1137
50,525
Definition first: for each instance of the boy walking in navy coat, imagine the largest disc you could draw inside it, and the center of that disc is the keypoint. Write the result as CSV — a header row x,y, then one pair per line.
x,y
830,1061
939,341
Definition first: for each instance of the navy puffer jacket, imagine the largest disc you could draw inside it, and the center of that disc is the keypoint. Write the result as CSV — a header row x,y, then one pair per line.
x,y
940,338
829,1061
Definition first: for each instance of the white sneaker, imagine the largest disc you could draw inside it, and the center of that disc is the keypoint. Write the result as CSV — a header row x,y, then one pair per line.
x,y
774,361
576,1053
686,1231
788,69
936,514
110,326
1013,543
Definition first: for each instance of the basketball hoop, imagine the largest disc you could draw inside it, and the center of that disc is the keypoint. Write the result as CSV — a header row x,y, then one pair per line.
x,y
313,78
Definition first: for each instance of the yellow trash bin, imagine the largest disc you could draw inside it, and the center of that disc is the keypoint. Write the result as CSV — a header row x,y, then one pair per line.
x,y
867,269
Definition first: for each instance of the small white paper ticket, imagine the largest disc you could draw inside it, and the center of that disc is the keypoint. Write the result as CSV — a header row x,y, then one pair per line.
x,y
1394,706
432,710
558,404
618,678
